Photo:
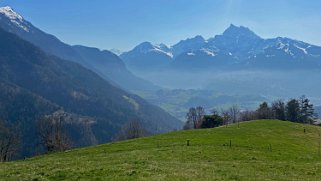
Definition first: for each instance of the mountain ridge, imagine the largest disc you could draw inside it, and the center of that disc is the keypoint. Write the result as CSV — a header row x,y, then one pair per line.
x,y
35,83
113,69
238,45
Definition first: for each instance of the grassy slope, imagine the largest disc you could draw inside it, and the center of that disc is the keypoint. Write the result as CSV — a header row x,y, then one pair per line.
x,y
294,156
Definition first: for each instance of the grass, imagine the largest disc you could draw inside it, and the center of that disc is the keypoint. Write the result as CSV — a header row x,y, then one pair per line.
x,y
260,150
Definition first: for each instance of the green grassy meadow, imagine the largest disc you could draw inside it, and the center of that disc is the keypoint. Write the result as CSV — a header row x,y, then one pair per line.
x,y
259,150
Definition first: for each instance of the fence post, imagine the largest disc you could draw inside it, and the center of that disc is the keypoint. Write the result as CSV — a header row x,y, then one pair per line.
x,y
319,149
187,142
270,147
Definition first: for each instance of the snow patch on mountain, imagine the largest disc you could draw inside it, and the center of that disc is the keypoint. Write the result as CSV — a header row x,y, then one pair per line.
x,y
303,49
116,51
208,52
148,47
281,45
13,17
163,49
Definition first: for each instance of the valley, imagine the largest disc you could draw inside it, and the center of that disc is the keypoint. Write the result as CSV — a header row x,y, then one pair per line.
x,y
160,90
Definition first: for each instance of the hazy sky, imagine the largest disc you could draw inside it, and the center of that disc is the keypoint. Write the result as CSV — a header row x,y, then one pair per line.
x,y
122,24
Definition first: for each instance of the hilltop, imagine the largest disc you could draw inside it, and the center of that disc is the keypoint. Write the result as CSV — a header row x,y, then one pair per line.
x,y
260,150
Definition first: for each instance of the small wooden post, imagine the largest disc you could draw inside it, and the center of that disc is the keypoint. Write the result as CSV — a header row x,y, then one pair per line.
x,y
187,142
304,131
230,143
270,147
319,150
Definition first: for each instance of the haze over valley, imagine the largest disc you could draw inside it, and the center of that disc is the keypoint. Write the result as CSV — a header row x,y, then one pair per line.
x,y
160,90
234,65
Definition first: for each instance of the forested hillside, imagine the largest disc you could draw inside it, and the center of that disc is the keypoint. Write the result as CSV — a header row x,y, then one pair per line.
x,y
34,84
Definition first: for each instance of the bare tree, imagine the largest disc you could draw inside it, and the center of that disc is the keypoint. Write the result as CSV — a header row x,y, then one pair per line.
x,y
52,133
226,117
193,117
131,130
248,115
88,137
200,112
9,142
234,113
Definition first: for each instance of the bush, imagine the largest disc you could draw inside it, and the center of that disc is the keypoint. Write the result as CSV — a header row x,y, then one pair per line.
x,y
211,121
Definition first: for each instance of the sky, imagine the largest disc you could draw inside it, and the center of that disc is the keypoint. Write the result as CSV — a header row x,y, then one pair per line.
x,y
123,24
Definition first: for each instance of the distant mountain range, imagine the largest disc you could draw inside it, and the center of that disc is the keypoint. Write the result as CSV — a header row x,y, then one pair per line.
x,y
236,48
34,83
237,62
105,63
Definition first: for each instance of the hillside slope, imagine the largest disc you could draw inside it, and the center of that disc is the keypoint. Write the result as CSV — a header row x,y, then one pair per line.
x,y
260,150
33,84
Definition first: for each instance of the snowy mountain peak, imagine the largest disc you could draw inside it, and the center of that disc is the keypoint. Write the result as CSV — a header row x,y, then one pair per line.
x,y
10,13
188,45
144,46
237,45
14,17
236,31
147,47
195,39
198,38
162,46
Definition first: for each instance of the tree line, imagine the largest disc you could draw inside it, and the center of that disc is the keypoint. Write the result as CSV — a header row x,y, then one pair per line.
x,y
9,141
299,110
56,133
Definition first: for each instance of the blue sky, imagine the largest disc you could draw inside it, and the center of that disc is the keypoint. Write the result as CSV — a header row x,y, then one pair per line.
x,y
122,24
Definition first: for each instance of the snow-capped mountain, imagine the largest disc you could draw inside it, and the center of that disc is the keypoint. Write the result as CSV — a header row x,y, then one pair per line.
x,y
148,55
188,45
147,47
17,20
236,47
104,63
